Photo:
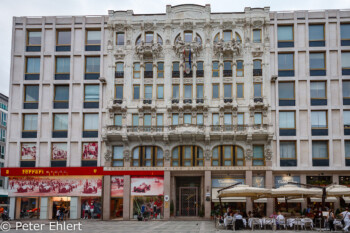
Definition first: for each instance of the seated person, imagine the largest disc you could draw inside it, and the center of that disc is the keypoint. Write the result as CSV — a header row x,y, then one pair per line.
x,y
228,219
279,219
239,221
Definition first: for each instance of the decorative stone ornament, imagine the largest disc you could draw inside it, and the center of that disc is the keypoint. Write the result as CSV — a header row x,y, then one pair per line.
x,y
126,154
108,156
249,154
167,155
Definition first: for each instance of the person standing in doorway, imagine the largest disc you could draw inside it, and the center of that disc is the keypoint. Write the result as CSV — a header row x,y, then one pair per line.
x,y
86,210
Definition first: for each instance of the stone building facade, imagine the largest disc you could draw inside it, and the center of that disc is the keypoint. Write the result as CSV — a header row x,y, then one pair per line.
x,y
165,109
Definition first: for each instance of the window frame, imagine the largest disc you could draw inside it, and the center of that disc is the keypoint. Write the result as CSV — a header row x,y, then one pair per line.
x,y
260,38
160,85
144,91
114,119
115,91
240,84
317,24
259,159
133,91
86,57
26,64
25,93
325,89
279,121
172,91
136,71
34,30
215,70
261,89
286,25
312,155
23,122
85,101
218,86
324,60
57,57
184,91
92,29
292,53
54,120
199,85
117,160
54,96
293,82
326,112
63,30
160,71
90,130
116,38
231,90
237,70
295,150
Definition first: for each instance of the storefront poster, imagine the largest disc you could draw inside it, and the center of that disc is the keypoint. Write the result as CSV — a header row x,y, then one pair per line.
x,y
28,151
147,186
117,186
59,151
259,181
225,182
283,180
55,186
90,151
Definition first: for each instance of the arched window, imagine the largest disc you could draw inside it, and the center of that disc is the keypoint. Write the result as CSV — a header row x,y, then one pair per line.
x,y
217,37
227,156
147,156
159,39
138,40
198,38
149,37
187,156
238,38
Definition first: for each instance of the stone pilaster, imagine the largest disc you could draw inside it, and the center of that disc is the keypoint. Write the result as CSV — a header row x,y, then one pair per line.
x,y
106,198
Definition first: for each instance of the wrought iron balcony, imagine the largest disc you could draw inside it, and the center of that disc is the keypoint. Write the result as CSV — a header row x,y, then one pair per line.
x,y
258,100
257,72
227,73
175,101
189,75
200,101
228,128
176,74
117,101
119,74
147,101
187,101
187,127
148,74
228,100
144,129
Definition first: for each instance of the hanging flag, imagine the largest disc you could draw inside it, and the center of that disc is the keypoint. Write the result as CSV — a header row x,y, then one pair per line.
x,y
184,56
189,59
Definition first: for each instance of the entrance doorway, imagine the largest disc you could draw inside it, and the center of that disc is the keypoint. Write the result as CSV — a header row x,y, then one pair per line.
x,y
188,201
62,204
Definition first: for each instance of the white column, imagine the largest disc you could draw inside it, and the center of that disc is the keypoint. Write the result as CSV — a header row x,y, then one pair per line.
x,y
74,211
44,202
12,207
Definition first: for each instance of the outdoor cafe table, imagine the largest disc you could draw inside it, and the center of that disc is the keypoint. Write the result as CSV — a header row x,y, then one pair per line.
x,y
262,221
292,221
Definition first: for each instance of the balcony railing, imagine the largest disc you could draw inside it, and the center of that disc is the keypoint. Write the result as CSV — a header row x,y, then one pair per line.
x,y
176,74
189,75
114,127
117,101
200,73
257,72
175,127
175,101
227,73
200,101
143,129
187,101
147,101
148,74
258,100
119,74
228,100
228,128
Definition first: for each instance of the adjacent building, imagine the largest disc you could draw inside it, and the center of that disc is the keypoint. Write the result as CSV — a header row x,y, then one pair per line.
x,y
121,111
3,131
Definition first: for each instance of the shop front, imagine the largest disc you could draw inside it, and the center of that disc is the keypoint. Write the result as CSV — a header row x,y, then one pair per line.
x,y
117,193
290,207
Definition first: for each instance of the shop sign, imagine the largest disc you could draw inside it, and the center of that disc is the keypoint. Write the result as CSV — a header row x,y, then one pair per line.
x,y
52,171
117,186
55,186
283,180
147,186
259,181
225,182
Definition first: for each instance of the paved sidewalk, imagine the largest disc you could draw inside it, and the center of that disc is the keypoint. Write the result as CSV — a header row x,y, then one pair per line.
x,y
96,226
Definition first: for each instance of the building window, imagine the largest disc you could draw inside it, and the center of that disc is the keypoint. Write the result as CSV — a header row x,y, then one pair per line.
x,y
227,35
175,119
62,68
285,64
287,120
240,90
32,68
227,156
90,154
258,156
346,121
286,94
91,122
63,37
60,125
147,120
215,72
118,157
188,118
317,64
2,151
148,92
120,38
257,70
215,91
59,153
318,93
30,122
347,153
148,70
188,36
160,92
200,119
31,96
227,69
240,118
176,92
346,92
92,67
136,92
188,91
320,153
176,70
200,69
258,118
316,35
160,70
34,38
28,152
199,91
285,36
119,72
147,156
240,69
3,131
136,70
288,154
91,96
160,120
119,92
135,119
227,90
257,90
345,63
187,156
257,36
345,34
216,120
93,37
227,119
318,119
61,97
118,120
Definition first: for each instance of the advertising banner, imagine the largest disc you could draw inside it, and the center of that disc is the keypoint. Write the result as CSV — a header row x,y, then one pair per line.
x,y
117,186
147,186
283,180
55,186
225,182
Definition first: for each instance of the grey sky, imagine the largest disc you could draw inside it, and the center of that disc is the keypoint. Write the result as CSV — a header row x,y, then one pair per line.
x,y
10,8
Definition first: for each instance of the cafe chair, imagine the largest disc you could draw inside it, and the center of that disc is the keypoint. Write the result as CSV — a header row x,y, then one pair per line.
x,y
255,222
269,222
308,223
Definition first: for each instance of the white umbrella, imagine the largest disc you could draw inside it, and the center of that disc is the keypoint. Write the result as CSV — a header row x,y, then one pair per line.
x,y
338,191
293,191
244,191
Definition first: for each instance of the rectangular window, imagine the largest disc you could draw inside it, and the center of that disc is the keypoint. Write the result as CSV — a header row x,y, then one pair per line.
x,y
92,93
62,65
120,38
149,37
346,89
345,63
345,34
215,72
318,90
228,119
118,119
320,150
316,35
160,92
318,119
227,35
31,93
257,36
33,65
92,64
240,118
188,91
118,157
91,122
160,70
135,119
199,91
227,69
200,69
175,119
63,38
176,70
60,122
286,90
188,36
93,37
285,36
216,119
215,91
200,120
240,91
287,150
317,64
148,92
61,94
187,119
136,70
119,91
227,90
160,120
34,38
175,91
286,64
287,120
30,122
136,92
346,119
240,69
257,89
258,156
147,120
347,149
257,71
257,118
